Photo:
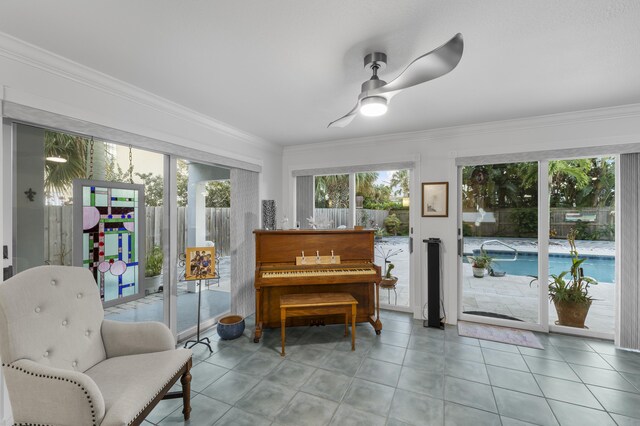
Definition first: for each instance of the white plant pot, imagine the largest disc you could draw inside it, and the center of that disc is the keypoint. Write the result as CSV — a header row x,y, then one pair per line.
x,y
152,284
478,272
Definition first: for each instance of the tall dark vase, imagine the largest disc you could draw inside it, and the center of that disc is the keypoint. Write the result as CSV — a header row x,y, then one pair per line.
x,y
269,214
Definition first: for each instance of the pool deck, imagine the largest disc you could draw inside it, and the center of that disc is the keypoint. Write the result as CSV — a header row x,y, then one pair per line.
x,y
512,295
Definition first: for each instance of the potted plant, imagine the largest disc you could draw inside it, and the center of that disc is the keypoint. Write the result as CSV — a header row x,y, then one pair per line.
x,y
571,298
388,280
479,263
153,270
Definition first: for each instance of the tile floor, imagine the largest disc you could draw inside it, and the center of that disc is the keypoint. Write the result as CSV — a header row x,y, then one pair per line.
x,y
409,375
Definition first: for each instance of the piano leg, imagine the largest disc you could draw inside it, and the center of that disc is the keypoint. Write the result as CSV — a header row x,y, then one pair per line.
x,y
283,327
346,324
354,313
258,330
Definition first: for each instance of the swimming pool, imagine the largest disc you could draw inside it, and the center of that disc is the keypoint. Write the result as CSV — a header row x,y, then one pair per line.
x,y
602,268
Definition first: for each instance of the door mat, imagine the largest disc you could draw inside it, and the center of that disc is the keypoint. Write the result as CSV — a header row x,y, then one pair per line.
x,y
512,336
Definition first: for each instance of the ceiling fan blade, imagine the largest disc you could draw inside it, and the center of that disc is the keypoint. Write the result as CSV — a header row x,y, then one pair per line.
x,y
343,121
427,67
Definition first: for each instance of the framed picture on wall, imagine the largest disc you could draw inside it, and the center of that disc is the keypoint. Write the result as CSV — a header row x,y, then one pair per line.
x,y
200,263
435,199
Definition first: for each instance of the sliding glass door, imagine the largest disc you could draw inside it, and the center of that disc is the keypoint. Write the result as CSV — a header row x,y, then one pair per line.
x,y
378,200
186,205
203,244
522,221
500,244
47,162
582,209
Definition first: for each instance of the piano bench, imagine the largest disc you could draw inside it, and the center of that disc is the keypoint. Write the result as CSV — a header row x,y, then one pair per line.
x,y
298,305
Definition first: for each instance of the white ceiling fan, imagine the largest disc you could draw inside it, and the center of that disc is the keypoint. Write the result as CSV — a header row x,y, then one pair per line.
x,y
376,93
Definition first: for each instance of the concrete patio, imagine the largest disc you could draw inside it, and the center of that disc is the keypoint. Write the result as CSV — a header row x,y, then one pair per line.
x,y
512,295
215,301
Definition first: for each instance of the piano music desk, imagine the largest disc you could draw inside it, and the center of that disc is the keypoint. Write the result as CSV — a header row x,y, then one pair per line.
x,y
296,305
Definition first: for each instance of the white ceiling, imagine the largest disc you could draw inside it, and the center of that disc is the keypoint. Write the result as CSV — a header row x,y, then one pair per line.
x,y
283,69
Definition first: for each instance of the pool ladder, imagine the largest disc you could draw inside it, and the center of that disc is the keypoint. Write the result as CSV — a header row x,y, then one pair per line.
x,y
515,251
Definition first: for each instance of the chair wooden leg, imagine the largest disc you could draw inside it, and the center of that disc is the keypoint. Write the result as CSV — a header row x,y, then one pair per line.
x,y
185,380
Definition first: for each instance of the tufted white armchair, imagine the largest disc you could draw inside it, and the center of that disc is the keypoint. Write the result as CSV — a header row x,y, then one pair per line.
x,y
65,364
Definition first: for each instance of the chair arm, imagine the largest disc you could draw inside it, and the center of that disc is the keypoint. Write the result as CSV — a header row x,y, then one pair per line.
x,y
41,394
132,338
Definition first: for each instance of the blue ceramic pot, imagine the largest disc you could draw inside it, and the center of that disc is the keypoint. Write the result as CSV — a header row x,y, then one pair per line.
x,y
230,327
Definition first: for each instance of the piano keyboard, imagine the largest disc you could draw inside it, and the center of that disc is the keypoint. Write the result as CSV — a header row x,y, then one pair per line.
x,y
317,273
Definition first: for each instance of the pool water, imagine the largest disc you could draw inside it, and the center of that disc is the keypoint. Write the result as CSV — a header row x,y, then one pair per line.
x,y
602,268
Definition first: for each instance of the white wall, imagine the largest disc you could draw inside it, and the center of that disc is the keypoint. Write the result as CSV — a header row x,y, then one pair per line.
x,y
437,151
35,78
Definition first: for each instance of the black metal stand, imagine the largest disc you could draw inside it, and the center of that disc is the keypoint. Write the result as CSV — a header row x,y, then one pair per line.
x,y
205,340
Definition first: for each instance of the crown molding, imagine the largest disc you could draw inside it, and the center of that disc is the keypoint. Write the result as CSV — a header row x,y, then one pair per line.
x,y
519,124
20,51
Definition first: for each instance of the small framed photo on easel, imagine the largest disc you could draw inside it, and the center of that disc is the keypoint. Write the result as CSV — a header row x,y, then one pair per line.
x,y
435,199
200,263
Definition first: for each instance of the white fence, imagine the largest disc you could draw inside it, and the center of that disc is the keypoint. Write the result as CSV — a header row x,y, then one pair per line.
x,y
339,217
58,231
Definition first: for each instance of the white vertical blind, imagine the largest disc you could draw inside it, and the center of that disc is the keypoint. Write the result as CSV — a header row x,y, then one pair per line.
x,y
244,219
351,218
630,251
304,200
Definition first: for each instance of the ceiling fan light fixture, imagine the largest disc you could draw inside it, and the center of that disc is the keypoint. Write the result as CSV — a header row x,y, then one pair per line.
x,y
56,159
373,106
376,93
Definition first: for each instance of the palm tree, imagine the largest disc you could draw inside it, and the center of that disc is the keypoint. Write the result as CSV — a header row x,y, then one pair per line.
x,y
365,183
59,176
400,179
332,191
567,178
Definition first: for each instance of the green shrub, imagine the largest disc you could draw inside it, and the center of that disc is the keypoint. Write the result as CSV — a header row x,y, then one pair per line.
x,y
154,262
386,205
392,224
525,221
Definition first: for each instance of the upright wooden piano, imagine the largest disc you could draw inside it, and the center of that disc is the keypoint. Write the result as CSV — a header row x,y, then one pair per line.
x,y
277,273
